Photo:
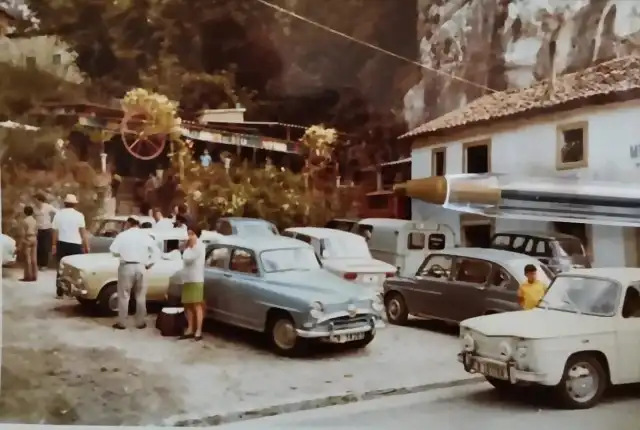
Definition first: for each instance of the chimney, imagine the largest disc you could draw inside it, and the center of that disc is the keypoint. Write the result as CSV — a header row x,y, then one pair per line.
x,y
551,82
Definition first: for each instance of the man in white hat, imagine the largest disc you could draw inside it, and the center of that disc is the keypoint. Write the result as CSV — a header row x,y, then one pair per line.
x,y
69,233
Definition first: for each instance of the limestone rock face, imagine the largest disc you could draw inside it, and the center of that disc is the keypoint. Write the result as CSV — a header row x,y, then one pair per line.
x,y
504,44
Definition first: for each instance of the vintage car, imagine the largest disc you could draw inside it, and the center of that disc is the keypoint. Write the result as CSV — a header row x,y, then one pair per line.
x,y
459,283
558,251
344,224
583,337
92,278
240,226
345,254
108,227
9,249
276,285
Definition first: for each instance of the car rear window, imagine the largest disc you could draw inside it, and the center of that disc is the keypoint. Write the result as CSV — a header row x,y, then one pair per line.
x,y
416,240
570,246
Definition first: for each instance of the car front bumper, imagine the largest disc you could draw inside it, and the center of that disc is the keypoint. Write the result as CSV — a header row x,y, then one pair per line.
x,y
71,288
329,331
499,369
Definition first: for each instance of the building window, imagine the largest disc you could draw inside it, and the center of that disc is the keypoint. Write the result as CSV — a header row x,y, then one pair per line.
x,y
56,59
476,157
572,146
439,162
30,62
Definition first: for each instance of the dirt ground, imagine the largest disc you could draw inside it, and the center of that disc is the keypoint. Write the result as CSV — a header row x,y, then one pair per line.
x,y
62,366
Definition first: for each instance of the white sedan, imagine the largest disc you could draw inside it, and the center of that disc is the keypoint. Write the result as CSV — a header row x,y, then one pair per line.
x,y
345,254
9,250
583,337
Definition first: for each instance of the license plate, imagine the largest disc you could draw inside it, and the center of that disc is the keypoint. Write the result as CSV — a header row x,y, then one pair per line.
x,y
493,370
344,338
371,279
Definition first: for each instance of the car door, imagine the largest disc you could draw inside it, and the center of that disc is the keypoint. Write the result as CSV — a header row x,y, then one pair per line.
x,y
502,291
242,277
217,283
426,295
466,293
628,336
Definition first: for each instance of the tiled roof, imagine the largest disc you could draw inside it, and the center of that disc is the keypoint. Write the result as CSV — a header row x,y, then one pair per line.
x,y
604,83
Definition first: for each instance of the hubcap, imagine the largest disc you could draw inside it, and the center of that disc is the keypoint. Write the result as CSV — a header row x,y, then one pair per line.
x,y
284,334
113,302
582,382
394,308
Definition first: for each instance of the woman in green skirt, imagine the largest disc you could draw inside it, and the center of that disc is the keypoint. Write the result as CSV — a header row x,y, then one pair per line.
x,y
193,257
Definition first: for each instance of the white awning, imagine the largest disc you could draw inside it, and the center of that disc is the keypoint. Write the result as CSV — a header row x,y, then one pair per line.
x,y
12,124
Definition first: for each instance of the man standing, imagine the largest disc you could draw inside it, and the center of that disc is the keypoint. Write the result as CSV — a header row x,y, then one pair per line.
x,y
137,252
531,291
44,213
29,244
162,223
69,233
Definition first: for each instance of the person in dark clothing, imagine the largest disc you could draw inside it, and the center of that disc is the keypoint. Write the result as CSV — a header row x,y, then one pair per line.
x,y
180,222
183,211
44,213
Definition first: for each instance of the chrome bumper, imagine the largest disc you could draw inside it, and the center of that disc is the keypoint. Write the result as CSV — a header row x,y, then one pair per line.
x,y
327,333
70,288
471,363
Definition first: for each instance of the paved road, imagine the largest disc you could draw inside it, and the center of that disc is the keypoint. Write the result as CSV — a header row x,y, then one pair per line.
x,y
474,407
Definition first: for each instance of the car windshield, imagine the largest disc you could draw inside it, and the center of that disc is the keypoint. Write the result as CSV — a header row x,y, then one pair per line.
x,y
568,247
346,247
582,295
289,259
255,229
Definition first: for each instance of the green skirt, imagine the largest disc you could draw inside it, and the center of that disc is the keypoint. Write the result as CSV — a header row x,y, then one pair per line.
x,y
192,293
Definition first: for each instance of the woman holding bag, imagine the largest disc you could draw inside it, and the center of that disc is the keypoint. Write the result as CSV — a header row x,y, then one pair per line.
x,y
193,257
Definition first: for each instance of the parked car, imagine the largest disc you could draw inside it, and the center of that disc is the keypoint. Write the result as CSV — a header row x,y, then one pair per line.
x,y
558,251
275,285
344,224
583,337
9,250
240,226
402,243
459,283
345,254
108,227
92,278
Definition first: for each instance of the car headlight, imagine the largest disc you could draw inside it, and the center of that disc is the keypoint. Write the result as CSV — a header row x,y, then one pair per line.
x,y
377,304
505,350
468,343
317,310
522,349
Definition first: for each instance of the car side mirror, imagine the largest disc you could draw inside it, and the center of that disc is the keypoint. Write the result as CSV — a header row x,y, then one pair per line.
x,y
325,254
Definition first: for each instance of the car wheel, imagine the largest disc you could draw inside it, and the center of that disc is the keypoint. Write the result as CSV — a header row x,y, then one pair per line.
x,y
583,382
283,337
396,308
359,344
107,301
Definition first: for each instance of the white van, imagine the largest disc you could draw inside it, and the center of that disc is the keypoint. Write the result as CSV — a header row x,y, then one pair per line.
x,y
403,243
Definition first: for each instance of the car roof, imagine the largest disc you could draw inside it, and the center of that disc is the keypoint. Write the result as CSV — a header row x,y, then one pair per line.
x,y
624,275
140,218
489,254
262,243
541,234
243,219
321,232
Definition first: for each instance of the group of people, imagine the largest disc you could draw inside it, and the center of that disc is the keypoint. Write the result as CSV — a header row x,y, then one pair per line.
x,y
137,253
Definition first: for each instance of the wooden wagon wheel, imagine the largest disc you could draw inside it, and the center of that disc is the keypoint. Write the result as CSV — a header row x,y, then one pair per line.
x,y
139,139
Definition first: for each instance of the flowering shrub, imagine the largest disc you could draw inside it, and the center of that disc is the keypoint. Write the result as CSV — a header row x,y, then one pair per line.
x,y
160,113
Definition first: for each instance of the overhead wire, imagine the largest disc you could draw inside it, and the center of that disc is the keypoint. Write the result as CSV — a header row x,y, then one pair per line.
x,y
370,45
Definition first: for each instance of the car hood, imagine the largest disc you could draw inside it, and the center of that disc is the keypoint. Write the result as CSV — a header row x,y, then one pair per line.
x,y
539,324
318,285
91,261
359,265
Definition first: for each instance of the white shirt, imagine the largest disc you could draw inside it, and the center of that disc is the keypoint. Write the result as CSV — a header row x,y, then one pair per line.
x,y
135,245
43,215
68,223
163,224
193,260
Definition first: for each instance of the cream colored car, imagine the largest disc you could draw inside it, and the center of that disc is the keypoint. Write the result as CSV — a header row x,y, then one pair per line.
x,y
92,278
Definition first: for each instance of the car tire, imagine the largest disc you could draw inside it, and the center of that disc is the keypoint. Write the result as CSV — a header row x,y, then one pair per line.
x,y
282,336
107,302
396,309
570,393
360,344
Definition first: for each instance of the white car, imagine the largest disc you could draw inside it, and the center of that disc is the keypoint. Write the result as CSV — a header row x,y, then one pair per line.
x,y
345,254
9,250
92,278
583,337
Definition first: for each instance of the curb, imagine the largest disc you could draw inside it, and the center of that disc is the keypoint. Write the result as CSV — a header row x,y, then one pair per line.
x,y
305,405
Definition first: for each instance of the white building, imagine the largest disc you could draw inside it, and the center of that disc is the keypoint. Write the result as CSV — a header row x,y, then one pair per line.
x,y
589,127
47,53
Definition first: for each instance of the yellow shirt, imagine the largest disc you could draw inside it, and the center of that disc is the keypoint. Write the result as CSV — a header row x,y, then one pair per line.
x,y
530,294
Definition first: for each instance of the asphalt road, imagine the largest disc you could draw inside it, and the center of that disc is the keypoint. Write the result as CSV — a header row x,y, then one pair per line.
x,y
474,407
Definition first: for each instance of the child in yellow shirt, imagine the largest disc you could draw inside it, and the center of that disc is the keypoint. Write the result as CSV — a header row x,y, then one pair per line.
x,y
531,291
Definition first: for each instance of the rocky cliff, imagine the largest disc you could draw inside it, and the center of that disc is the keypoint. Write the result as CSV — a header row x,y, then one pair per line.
x,y
505,43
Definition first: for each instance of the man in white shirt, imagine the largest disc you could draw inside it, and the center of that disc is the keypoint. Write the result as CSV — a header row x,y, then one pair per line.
x,y
69,233
137,252
162,223
44,213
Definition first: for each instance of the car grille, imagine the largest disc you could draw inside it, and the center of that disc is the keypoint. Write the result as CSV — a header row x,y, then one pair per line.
x,y
488,346
347,322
